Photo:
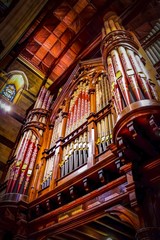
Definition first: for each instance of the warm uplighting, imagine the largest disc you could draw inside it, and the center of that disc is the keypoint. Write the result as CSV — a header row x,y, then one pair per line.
x,y
5,107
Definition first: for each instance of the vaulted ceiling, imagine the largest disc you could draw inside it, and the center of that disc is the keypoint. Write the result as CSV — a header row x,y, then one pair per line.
x,y
67,31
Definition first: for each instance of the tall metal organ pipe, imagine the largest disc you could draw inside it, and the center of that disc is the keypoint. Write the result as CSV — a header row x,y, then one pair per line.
x,y
127,74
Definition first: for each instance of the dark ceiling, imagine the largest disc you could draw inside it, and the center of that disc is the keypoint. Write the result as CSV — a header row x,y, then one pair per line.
x,y
67,31
105,228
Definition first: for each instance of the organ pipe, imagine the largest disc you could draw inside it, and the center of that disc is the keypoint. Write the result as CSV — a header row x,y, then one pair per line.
x,y
127,74
75,154
48,171
104,132
56,129
102,92
27,149
130,72
79,107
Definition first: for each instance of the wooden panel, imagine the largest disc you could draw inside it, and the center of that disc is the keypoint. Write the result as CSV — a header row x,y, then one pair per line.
x,y
41,53
48,60
7,142
67,36
62,10
68,58
4,152
87,13
77,46
80,5
57,48
9,127
70,17
33,46
77,24
51,22
50,41
35,60
42,35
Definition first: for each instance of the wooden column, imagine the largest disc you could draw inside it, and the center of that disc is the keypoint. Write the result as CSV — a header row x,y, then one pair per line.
x,y
64,118
39,168
92,95
127,169
56,168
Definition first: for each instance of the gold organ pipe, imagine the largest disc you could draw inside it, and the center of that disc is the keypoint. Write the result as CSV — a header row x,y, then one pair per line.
x,y
120,76
140,74
107,28
129,72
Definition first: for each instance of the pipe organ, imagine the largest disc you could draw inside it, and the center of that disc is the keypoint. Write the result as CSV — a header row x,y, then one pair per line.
x,y
48,170
74,155
103,93
79,108
26,153
56,129
102,125
104,132
152,44
129,80
80,123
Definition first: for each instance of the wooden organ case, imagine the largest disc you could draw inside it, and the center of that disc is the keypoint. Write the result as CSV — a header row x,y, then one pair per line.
x,y
83,160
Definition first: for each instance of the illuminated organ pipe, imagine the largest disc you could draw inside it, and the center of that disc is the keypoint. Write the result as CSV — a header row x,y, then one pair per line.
x,y
102,92
49,102
26,161
73,126
27,149
151,84
37,103
104,132
104,102
114,87
75,154
82,104
45,100
150,57
140,75
153,52
68,127
120,76
31,166
129,72
48,171
79,108
97,98
16,162
40,98
19,161
127,77
56,129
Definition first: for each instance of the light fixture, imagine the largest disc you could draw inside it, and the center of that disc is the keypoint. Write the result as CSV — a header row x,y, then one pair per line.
x,y
5,107
109,238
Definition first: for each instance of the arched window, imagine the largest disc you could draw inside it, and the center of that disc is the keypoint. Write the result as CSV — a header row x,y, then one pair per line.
x,y
16,82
